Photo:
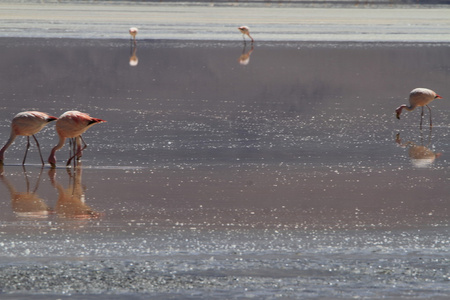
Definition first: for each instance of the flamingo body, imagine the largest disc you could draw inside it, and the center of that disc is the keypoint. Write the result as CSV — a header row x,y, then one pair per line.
x,y
26,123
245,31
418,97
133,31
72,124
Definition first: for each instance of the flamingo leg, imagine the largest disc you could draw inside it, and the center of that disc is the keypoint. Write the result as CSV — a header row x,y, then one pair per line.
x,y
26,151
72,146
243,37
421,118
429,109
79,151
39,148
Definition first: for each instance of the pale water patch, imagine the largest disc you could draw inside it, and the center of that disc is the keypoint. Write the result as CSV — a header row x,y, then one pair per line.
x,y
209,21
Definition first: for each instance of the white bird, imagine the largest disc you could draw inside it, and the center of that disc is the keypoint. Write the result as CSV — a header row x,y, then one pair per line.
x,y
418,97
245,31
133,31
27,123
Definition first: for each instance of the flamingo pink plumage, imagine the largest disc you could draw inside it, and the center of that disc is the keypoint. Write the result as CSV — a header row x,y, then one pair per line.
x,y
27,123
133,31
418,97
72,124
245,31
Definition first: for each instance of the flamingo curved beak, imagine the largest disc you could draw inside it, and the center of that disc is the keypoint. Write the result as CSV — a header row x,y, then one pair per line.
x,y
438,97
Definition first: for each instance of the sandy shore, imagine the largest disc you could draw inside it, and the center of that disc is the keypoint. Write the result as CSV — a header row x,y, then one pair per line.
x,y
218,22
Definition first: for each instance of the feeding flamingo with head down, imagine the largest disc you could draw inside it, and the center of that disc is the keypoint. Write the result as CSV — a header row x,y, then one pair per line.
x,y
133,31
72,124
245,31
27,123
419,97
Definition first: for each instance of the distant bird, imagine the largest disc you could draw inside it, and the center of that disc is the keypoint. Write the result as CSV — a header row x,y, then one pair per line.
x,y
245,31
419,97
72,124
133,31
27,123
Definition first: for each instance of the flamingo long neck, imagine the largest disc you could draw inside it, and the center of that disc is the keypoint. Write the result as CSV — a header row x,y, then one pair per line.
x,y
11,139
410,107
52,157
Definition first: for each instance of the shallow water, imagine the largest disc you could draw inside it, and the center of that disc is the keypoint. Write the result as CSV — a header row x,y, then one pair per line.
x,y
286,175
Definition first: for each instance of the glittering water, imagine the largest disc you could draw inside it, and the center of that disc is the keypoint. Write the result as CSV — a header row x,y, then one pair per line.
x,y
227,170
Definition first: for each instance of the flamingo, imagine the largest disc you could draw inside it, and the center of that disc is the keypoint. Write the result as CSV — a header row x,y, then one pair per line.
x,y
133,31
27,123
72,124
419,97
245,31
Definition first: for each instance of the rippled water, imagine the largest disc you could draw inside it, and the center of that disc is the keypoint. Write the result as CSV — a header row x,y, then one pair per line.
x,y
228,170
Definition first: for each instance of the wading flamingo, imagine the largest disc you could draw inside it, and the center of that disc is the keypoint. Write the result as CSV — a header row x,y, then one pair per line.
x,y
245,31
72,124
419,97
27,123
133,31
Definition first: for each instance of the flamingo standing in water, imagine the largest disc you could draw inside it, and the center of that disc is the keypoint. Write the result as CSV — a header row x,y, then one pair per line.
x,y
27,123
133,31
72,124
245,31
419,97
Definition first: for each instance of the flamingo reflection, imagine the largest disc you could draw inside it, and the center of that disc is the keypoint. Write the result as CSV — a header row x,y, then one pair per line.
x,y
244,59
71,201
421,155
133,58
27,204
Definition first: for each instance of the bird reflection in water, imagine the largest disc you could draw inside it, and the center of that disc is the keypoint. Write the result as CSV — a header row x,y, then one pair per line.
x,y
27,204
133,47
244,59
421,155
71,201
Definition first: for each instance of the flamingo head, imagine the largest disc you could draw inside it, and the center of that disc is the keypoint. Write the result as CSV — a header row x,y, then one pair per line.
x,y
52,161
437,97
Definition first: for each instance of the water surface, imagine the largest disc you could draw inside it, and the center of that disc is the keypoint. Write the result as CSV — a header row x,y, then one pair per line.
x,y
228,170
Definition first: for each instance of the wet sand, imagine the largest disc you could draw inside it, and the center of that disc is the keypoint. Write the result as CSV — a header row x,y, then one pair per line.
x,y
268,20
227,171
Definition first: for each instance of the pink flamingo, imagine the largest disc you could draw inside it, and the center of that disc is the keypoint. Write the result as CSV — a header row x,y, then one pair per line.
x,y
27,123
245,31
72,124
419,97
133,31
